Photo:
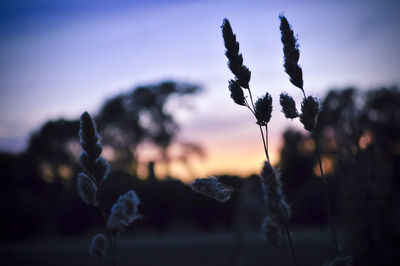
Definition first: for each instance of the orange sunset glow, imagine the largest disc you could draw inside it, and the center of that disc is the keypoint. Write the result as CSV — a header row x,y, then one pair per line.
x,y
229,155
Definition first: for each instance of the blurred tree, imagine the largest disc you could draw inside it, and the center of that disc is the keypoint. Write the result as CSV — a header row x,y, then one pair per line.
x,y
52,149
130,119
361,133
38,192
298,158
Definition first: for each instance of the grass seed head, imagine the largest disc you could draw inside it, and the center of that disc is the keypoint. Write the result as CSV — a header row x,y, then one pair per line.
x,y
97,246
274,198
291,54
88,131
123,212
101,170
288,106
271,231
263,109
237,93
235,59
212,188
87,189
310,109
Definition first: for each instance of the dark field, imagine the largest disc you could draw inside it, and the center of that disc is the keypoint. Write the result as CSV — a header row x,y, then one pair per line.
x,y
312,248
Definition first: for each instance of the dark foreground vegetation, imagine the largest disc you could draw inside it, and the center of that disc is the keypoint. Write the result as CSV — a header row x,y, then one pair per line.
x,y
178,249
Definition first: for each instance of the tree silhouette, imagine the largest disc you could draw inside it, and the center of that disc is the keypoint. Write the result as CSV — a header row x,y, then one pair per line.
x,y
361,134
132,118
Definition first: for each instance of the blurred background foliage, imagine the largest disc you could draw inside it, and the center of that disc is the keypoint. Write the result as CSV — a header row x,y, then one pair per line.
x,y
359,132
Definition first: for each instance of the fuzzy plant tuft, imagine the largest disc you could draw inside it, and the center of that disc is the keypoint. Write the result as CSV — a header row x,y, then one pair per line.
x,y
212,188
87,189
291,54
263,109
235,59
310,106
89,182
123,212
94,166
271,231
288,106
97,248
279,209
237,92
310,109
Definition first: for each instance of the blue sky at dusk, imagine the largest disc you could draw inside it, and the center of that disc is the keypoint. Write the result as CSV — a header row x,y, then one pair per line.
x,y
59,58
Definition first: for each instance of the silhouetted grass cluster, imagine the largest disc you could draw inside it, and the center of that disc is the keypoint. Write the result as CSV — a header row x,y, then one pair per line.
x,y
90,182
279,211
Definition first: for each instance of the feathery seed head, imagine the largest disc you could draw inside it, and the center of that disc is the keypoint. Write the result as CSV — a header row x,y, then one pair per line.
x,y
283,212
85,161
123,212
263,109
273,195
235,59
310,109
212,188
243,76
101,170
93,151
97,246
231,45
88,132
271,231
269,179
87,189
291,54
288,106
236,92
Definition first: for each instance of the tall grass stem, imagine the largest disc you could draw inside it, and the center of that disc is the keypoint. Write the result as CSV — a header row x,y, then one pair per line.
x,y
265,143
266,140
291,245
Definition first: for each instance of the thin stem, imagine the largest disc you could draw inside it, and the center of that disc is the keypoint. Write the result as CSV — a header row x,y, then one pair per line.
x,y
304,94
266,140
291,244
251,110
327,201
265,143
251,98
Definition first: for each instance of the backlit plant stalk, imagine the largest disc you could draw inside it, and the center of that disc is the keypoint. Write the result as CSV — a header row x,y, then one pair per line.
x,y
279,210
89,182
263,107
310,106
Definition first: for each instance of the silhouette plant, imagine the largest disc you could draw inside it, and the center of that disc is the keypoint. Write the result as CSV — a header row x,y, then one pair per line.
x,y
263,107
90,184
278,208
212,188
310,106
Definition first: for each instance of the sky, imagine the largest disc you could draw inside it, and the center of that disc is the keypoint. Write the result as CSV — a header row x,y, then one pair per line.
x,y
60,58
